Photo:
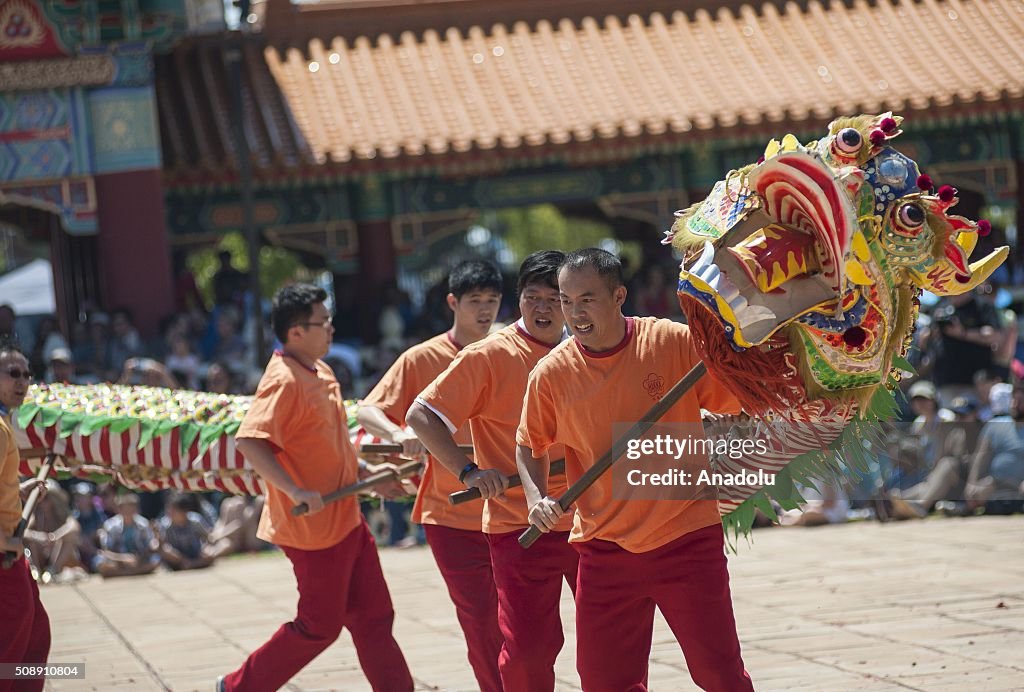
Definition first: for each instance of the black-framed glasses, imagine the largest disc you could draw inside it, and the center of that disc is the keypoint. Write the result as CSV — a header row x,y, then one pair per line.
x,y
18,374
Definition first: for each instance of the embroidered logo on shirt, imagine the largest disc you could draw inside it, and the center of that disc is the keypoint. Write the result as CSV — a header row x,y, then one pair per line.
x,y
654,384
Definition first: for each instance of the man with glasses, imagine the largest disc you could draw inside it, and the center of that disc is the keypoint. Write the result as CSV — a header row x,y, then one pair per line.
x,y
25,632
295,435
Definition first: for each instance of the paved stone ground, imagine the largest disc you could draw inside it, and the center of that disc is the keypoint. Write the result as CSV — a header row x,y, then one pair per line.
x,y
931,605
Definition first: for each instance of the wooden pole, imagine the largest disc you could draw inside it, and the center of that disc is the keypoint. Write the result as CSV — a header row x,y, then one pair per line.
x,y
30,507
530,536
514,481
368,483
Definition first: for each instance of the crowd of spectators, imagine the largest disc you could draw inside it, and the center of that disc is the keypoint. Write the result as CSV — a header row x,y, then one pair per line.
x,y
81,528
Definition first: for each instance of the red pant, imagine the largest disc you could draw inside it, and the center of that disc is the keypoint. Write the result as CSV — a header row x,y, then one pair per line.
x,y
465,563
529,584
615,598
25,632
340,586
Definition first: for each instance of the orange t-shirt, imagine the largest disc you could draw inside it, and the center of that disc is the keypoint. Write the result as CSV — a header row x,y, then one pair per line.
x,y
394,394
301,413
575,397
485,385
10,498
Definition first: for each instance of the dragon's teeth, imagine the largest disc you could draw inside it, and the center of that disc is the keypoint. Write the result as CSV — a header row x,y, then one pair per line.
x,y
710,273
706,258
727,289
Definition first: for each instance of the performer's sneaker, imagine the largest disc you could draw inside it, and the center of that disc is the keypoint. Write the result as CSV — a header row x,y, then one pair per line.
x,y
220,684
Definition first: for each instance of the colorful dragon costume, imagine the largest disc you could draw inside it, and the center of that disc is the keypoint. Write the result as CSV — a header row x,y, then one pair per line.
x,y
144,438
800,279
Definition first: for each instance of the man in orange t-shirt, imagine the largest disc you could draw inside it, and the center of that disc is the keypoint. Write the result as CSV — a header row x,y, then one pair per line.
x,y
453,532
634,554
485,386
295,435
25,628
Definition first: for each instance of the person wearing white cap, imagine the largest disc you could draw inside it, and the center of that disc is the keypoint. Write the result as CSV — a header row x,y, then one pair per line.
x,y
61,367
996,477
924,401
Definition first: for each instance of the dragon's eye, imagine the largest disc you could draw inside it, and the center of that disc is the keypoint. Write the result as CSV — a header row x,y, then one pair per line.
x,y
849,141
909,218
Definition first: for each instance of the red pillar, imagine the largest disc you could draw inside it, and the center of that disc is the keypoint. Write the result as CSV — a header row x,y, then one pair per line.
x,y
376,268
376,253
134,256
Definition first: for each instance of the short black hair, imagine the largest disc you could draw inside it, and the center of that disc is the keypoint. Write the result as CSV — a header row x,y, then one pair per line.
x,y
294,304
181,502
607,265
474,275
540,268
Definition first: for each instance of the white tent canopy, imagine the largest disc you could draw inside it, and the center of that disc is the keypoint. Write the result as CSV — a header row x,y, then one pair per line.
x,y
29,289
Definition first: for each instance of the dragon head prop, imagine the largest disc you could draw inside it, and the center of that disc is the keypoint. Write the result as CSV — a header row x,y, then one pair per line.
x,y
801,273
820,252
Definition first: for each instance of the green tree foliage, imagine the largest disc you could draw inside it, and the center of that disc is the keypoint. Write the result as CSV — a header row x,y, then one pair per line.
x,y
277,265
544,227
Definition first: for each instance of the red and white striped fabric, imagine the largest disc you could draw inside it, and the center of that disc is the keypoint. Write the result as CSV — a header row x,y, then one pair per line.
x,y
811,427
159,464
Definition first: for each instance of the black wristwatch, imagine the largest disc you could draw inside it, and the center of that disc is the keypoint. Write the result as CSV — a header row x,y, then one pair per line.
x,y
466,470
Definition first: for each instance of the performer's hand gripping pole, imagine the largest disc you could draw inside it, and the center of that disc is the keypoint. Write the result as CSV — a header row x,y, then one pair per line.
x,y
404,471
530,536
514,481
365,485
30,506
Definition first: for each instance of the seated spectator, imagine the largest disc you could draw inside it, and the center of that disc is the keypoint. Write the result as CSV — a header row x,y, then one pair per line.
x,y
183,537
147,372
53,538
125,342
48,339
827,505
107,494
945,482
235,530
182,363
127,544
984,380
907,464
90,520
219,379
928,426
199,504
61,367
995,480
231,347
92,355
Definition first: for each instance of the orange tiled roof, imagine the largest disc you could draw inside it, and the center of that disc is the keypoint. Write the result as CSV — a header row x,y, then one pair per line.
x,y
524,86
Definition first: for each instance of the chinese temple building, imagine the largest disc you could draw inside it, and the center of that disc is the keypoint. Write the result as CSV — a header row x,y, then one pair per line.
x,y
371,128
